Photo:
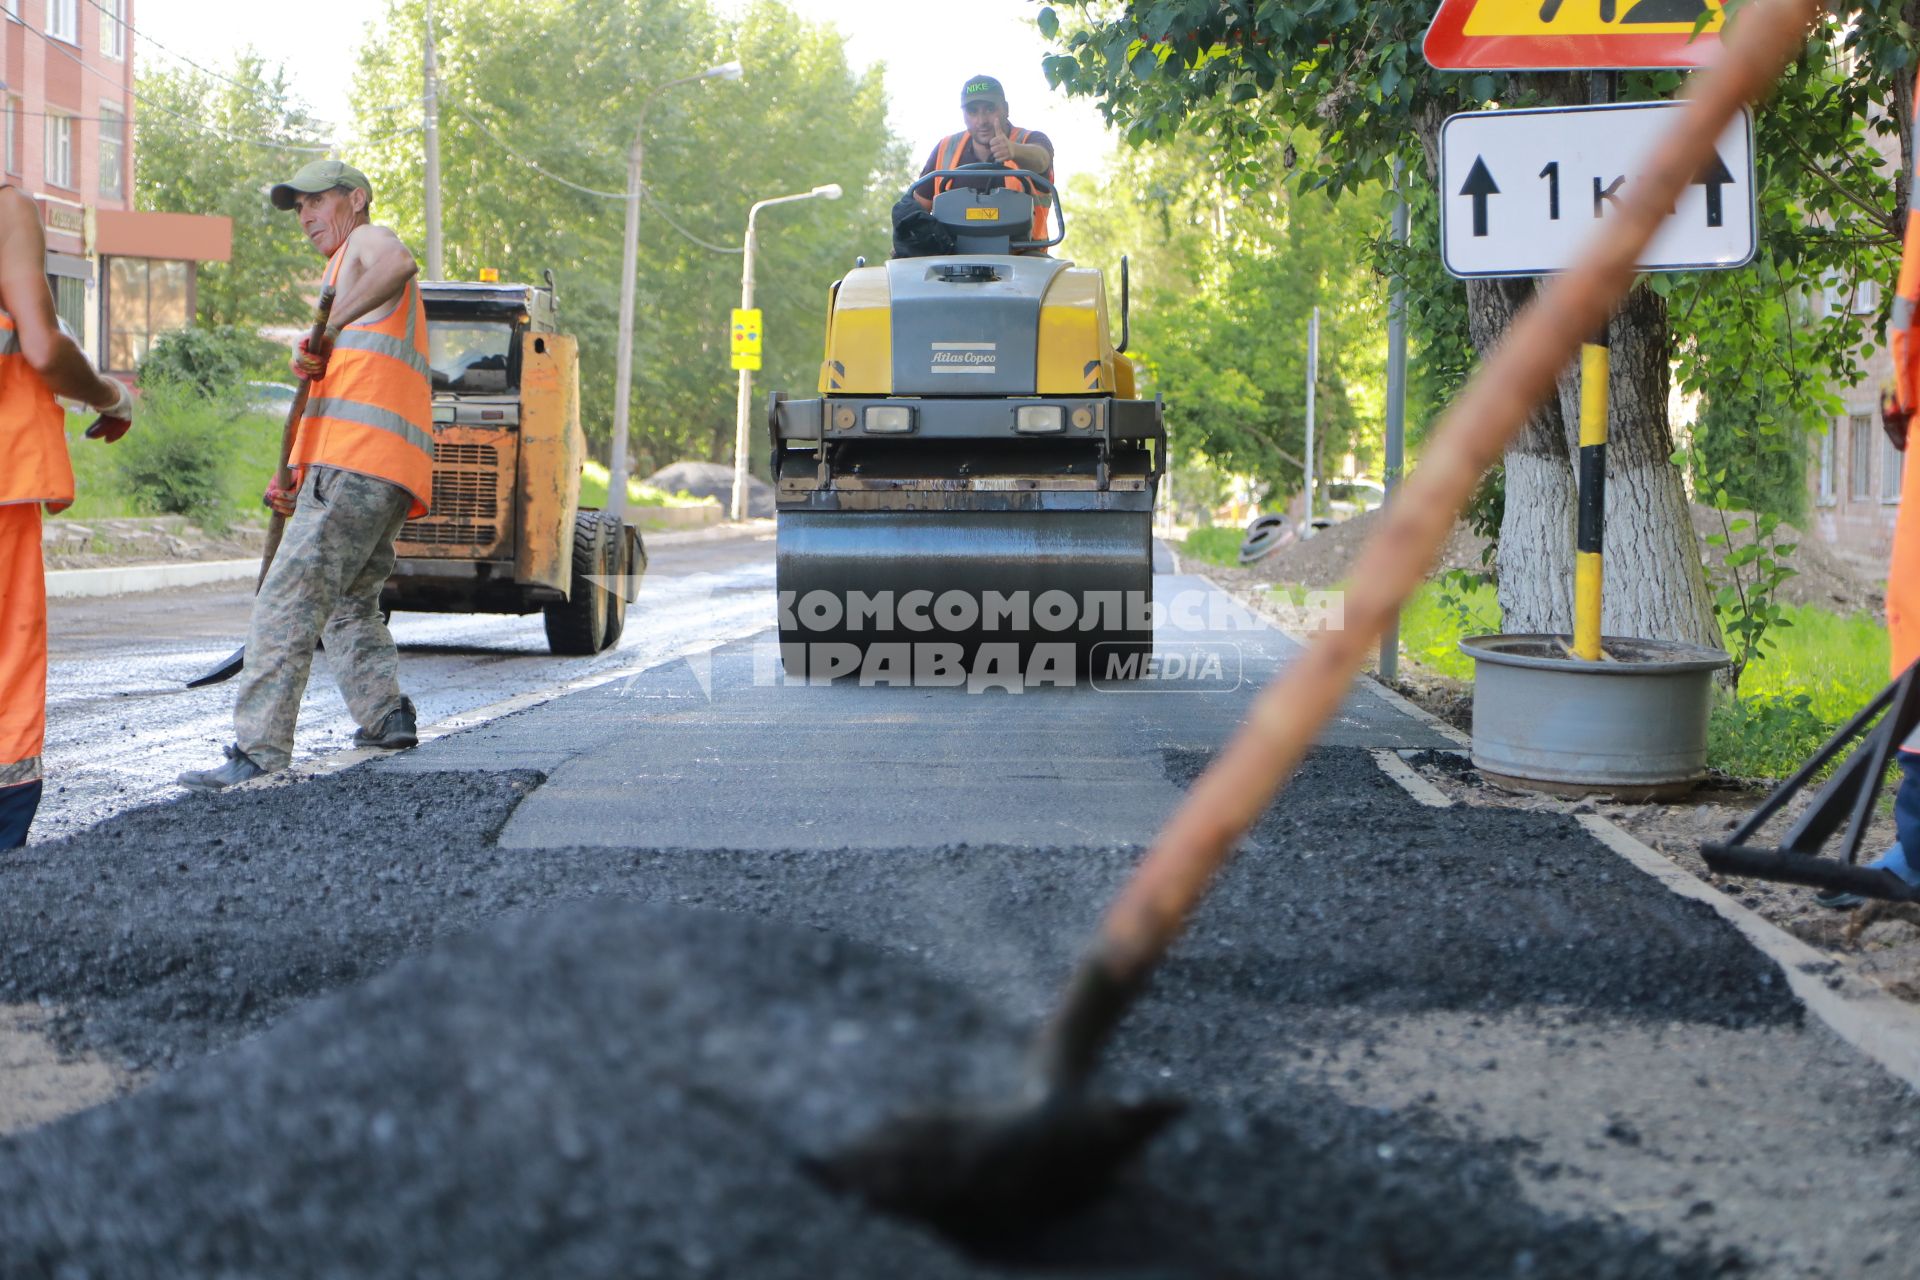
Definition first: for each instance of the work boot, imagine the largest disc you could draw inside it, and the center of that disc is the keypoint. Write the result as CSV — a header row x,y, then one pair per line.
x,y
397,730
238,768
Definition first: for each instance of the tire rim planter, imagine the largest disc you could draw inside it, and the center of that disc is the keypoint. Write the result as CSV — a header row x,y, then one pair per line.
x,y
1633,725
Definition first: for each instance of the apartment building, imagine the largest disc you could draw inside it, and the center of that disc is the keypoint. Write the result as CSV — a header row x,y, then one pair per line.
x,y
66,139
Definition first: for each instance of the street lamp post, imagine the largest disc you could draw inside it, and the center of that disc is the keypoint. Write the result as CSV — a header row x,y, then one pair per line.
x,y
742,445
623,357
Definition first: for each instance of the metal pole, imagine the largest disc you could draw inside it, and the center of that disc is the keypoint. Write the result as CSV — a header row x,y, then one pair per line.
x,y
1313,376
742,441
623,353
436,246
1396,402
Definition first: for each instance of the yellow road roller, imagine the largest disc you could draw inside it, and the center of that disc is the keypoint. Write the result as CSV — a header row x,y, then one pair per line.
x,y
976,475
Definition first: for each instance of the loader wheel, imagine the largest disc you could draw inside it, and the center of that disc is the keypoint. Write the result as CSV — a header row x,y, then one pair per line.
x,y
576,627
616,534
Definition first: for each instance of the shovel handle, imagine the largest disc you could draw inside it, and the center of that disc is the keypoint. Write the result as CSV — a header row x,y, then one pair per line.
x,y
282,475
1289,714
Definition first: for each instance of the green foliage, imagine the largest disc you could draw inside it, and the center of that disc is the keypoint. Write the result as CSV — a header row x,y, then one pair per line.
x,y
1763,737
213,361
1215,546
1441,614
1226,276
594,488
181,168
1747,585
566,85
174,462
1756,348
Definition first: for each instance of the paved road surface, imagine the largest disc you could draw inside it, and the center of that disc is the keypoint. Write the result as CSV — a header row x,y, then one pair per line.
x,y
121,726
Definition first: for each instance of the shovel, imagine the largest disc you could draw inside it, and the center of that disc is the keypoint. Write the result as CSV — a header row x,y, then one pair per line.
x,y
983,1174
282,479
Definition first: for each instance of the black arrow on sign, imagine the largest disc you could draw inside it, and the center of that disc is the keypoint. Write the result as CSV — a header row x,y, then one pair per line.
x,y
1480,185
1714,177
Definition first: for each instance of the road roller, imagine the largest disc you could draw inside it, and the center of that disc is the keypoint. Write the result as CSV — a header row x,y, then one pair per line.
x,y
975,479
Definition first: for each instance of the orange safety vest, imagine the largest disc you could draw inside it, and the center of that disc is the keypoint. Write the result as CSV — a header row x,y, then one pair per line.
x,y
373,412
950,154
33,430
1903,577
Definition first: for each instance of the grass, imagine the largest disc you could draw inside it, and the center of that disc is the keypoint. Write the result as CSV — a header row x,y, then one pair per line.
x,y
1215,546
594,483
253,450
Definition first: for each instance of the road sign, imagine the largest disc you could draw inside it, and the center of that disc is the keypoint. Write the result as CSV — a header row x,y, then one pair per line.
x,y
1523,190
1579,35
746,339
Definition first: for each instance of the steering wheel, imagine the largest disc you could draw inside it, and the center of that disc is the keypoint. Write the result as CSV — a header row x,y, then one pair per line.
x,y
1044,188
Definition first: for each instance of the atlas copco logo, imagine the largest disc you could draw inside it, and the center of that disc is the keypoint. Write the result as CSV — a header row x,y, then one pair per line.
x,y
965,357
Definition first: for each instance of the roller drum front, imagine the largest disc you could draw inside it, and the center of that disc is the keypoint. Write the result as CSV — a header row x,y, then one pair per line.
x,y
867,579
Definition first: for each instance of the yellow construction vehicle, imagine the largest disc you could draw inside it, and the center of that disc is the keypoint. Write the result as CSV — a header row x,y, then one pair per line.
x,y
976,468
507,533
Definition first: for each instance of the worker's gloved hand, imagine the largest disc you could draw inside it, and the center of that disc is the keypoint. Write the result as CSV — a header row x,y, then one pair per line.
x,y
309,364
281,500
114,420
1894,420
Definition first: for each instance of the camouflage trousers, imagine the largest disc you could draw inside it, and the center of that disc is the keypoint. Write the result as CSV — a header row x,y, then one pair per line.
x,y
325,582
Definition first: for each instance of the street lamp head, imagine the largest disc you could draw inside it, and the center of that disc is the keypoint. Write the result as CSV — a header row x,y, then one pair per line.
x,y
829,192
726,71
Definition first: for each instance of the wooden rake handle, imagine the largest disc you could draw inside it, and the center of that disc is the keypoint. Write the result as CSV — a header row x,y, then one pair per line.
x,y
1289,714
283,475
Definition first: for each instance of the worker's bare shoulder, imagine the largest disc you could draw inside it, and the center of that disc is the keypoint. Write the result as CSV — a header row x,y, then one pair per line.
x,y
373,240
16,209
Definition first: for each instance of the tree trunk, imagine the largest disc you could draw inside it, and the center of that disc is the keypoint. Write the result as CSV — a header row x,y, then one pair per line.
x,y
1535,559
1656,586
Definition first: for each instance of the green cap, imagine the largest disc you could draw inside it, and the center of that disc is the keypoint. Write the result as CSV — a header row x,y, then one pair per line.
x,y
321,175
983,89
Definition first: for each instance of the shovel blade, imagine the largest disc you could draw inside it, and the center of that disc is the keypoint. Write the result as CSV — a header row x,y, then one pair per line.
x,y
227,670
983,1177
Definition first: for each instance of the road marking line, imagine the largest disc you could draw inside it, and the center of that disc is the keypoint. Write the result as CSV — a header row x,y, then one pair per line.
x,y
1412,783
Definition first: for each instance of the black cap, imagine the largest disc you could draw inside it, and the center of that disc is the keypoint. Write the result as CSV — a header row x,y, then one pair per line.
x,y
983,89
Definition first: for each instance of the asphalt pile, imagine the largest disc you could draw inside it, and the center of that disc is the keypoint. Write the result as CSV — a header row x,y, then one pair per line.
x,y
436,1057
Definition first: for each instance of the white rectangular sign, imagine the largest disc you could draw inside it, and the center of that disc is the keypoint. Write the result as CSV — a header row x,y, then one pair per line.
x,y
1522,190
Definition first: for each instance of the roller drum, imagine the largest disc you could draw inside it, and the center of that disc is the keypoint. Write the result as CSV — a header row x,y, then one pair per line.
x,y
944,569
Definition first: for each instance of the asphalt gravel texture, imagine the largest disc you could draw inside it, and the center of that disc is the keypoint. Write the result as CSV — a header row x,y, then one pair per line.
x,y
388,1047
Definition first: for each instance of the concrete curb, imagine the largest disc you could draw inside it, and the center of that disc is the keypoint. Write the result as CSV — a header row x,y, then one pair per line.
x,y
131,579
127,579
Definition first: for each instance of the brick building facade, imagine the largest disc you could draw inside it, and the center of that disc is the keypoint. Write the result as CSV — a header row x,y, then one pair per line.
x,y
66,139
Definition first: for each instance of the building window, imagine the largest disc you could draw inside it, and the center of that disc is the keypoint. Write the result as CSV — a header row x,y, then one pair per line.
x,y
146,297
1860,434
10,123
113,31
70,303
11,8
63,20
113,153
60,150
1890,477
1826,490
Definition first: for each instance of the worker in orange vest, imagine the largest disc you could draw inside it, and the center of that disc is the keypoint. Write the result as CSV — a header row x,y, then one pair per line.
x,y
37,362
990,138
363,465
1903,575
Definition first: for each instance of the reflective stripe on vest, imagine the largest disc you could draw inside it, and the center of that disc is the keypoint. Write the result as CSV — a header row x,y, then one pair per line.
x,y
20,773
33,432
373,412
949,155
